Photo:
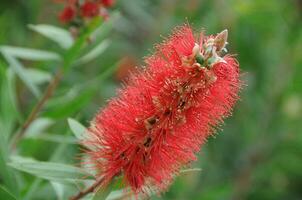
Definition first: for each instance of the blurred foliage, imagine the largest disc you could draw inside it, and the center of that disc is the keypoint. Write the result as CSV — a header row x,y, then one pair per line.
x,y
257,153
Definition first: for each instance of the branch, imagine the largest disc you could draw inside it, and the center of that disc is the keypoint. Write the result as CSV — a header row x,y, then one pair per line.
x,y
90,189
35,111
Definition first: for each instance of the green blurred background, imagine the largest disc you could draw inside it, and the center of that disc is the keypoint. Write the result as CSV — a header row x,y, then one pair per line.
x,y
257,153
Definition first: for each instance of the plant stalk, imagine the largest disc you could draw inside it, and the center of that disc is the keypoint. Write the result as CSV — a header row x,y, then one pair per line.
x,y
88,190
37,108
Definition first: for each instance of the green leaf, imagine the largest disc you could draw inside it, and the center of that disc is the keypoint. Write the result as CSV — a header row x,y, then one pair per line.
x,y
71,102
59,189
38,126
73,52
9,113
35,186
12,53
37,131
62,37
77,128
38,76
32,189
64,139
5,194
8,118
29,54
94,53
7,173
21,72
48,170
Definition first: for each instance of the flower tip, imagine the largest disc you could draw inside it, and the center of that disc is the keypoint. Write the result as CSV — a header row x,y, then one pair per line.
x,y
221,39
224,32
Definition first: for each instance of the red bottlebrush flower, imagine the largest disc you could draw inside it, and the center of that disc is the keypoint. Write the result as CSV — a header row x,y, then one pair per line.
x,y
166,112
90,9
67,14
107,3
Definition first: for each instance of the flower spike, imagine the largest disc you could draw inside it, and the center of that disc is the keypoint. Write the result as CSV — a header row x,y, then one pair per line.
x,y
165,113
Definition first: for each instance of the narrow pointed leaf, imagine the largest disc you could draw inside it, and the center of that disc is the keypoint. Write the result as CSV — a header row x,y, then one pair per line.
x,y
38,126
64,139
48,170
56,34
29,54
59,189
77,128
95,52
8,102
8,118
21,72
38,76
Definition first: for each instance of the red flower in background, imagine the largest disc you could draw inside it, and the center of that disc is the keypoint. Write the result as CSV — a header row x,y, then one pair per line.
x,y
90,9
166,112
76,12
67,14
107,3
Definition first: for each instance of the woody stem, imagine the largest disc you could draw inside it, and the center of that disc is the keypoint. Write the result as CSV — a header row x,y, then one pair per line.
x,y
37,108
88,190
